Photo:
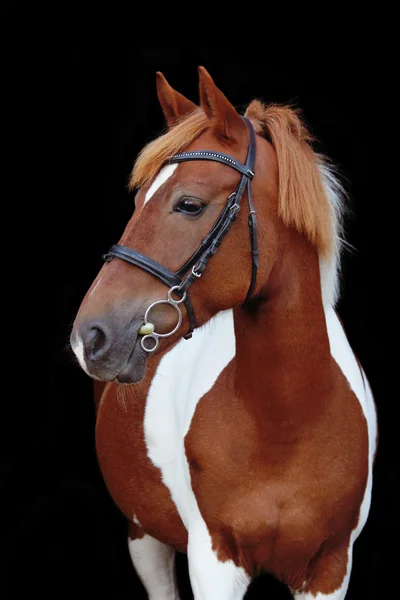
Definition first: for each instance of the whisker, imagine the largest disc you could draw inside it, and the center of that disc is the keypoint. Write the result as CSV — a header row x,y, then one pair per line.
x,y
348,245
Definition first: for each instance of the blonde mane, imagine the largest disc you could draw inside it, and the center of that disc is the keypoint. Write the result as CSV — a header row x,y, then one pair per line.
x,y
311,199
153,156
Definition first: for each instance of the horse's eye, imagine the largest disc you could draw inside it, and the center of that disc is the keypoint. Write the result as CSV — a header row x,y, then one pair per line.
x,y
189,206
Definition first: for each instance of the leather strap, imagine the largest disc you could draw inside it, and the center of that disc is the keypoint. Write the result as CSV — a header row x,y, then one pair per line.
x,y
144,262
207,241
154,268
210,244
214,156
252,218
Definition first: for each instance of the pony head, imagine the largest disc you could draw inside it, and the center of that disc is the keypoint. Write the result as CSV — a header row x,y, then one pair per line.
x,y
176,206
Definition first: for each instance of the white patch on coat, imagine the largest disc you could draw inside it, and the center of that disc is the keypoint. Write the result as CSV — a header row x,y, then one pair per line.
x,y
344,356
97,283
184,375
78,349
211,579
187,372
330,266
136,520
161,178
340,592
155,565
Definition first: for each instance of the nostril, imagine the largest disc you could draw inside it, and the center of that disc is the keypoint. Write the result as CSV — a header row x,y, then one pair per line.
x,y
95,342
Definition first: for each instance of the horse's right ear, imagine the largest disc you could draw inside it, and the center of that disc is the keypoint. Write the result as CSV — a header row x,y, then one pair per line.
x,y
174,105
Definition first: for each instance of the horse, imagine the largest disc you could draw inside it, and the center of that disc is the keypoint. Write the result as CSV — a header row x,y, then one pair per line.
x,y
235,423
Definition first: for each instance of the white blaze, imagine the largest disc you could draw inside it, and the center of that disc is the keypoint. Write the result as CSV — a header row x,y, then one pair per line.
x,y
161,178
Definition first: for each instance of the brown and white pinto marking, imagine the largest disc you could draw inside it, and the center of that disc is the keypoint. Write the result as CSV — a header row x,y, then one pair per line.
x,y
251,445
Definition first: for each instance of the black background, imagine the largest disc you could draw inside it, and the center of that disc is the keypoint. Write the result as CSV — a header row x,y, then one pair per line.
x,y
80,102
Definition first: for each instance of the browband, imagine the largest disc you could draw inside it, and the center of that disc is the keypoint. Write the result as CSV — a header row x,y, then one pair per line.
x,y
212,155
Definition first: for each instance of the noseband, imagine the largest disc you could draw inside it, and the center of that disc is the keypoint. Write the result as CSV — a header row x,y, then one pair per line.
x,y
193,268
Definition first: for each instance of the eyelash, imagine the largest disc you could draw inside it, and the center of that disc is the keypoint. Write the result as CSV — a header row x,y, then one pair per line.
x,y
179,206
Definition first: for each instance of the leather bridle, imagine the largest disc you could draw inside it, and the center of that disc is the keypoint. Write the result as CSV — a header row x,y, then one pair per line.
x,y
193,268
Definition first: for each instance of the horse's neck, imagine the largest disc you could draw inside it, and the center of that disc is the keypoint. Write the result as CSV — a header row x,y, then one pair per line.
x,y
278,352
283,358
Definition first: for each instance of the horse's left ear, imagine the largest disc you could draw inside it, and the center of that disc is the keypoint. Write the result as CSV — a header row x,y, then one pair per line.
x,y
174,105
226,122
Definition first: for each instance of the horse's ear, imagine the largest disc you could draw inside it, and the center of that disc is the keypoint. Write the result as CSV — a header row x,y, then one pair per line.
x,y
225,120
174,105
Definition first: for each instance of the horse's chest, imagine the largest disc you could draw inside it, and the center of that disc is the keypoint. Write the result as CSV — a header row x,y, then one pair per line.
x,y
134,482
140,442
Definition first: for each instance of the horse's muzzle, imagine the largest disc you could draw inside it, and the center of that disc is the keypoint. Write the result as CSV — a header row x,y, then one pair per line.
x,y
108,350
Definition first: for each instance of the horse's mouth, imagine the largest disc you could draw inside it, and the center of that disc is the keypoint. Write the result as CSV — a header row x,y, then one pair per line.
x,y
134,369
